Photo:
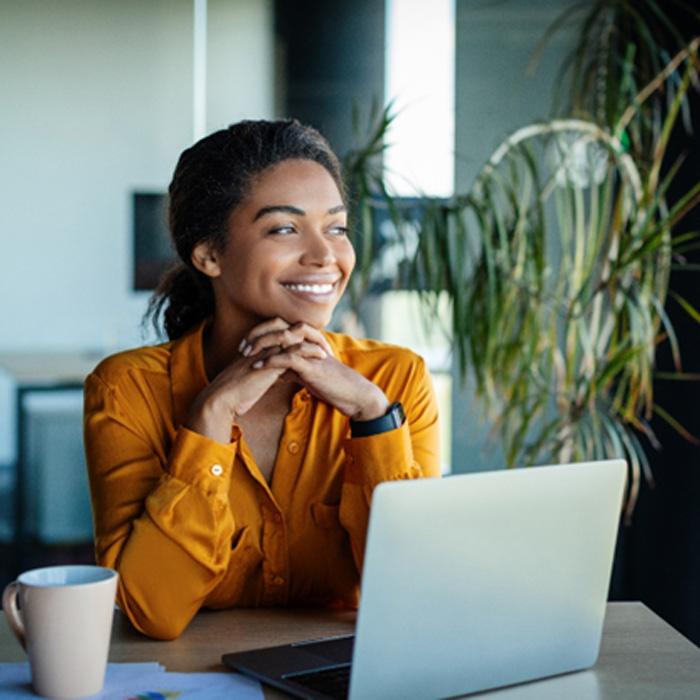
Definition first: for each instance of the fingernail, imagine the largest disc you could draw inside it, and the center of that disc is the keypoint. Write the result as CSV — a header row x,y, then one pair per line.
x,y
241,345
257,364
246,350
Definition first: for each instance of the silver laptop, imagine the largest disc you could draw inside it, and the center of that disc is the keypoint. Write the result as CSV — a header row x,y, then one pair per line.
x,y
469,582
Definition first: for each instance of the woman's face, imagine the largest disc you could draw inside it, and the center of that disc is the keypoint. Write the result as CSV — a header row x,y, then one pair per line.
x,y
287,253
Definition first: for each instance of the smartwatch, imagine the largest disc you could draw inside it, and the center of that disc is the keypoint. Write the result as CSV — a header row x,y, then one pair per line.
x,y
392,419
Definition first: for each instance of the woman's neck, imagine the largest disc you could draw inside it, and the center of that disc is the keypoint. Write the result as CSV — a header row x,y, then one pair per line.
x,y
220,343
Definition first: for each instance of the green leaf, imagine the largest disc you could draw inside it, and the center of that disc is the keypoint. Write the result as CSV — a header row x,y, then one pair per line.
x,y
686,305
675,424
678,376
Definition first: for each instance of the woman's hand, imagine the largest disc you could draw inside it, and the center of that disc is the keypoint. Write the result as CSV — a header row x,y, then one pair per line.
x,y
277,333
279,347
237,388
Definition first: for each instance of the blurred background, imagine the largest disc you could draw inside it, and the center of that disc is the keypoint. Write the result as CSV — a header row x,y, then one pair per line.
x,y
99,97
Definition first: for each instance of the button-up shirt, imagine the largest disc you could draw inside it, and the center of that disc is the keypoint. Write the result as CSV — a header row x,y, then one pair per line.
x,y
191,522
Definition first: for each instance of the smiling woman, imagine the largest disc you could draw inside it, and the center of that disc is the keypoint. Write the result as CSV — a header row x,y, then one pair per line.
x,y
287,252
234,465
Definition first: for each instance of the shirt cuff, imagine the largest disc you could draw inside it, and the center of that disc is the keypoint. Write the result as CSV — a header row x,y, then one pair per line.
x,y
382,457
203,462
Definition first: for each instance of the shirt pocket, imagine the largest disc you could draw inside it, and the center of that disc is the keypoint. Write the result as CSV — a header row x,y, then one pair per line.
x,y
337,577
238,583
326,516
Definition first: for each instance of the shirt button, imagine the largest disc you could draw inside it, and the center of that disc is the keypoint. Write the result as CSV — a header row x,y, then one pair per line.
x,y
278,580
293,447
217,469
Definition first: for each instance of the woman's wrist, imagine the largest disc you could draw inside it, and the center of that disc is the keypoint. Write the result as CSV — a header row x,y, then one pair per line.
x,y
211,418
374,406
391,420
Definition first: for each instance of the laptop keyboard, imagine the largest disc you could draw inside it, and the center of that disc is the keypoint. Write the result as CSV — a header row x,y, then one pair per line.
x,y
333,682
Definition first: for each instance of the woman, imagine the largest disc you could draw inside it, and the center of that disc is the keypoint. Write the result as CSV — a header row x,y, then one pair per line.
x,y
234,465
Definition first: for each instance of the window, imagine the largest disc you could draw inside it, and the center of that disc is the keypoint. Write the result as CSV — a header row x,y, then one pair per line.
x,y
420,78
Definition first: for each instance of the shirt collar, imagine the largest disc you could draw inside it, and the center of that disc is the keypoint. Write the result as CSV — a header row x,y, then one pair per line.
x,y
187,374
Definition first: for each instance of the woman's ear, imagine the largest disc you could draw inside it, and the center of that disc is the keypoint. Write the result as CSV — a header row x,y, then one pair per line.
x,y
205,259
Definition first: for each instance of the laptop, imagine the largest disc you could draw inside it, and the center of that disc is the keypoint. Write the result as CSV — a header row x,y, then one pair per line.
x,y
470,582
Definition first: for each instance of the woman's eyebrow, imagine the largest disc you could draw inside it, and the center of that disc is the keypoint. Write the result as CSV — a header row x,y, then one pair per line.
x,y
288,209
285,208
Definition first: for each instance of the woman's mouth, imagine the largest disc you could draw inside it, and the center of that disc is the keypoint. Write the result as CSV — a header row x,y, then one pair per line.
x,y
319,293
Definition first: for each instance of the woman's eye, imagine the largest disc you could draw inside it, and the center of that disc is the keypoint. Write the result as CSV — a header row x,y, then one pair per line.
x,y
283,230
338,230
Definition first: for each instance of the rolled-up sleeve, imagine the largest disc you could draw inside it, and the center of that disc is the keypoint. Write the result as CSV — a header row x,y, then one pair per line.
x,y
163,521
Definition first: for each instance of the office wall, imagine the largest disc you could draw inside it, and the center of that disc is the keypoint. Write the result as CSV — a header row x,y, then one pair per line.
x,y
95,101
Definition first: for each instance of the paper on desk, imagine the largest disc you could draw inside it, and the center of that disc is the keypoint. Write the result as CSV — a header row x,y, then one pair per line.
x,y
143,681
184,686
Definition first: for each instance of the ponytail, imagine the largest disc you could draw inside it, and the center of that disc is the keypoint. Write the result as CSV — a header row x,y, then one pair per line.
x,y
183,298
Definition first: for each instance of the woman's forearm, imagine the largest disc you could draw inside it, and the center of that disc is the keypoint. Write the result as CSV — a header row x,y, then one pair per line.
x,y
211,417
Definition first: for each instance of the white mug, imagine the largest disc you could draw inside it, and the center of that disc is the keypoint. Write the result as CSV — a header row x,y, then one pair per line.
x,y
64,622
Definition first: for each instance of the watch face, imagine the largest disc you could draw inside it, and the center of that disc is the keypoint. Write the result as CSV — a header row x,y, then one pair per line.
x,y
395,414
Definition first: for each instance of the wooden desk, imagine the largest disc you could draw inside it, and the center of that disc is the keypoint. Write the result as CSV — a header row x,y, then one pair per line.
x,y
642,658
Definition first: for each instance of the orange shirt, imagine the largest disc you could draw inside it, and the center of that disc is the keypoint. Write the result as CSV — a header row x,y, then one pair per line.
x,y
191,522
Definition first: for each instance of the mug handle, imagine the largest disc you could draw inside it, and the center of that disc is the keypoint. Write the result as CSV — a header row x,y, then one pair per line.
x,y
12,613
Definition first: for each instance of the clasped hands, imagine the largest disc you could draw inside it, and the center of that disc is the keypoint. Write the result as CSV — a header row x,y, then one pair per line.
x,y
277,350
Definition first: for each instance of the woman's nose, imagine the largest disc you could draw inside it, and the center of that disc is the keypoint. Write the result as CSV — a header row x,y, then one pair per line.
x,y
317,250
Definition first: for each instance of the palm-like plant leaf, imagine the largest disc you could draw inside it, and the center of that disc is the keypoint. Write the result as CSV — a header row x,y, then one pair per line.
x,y
556,263
622,45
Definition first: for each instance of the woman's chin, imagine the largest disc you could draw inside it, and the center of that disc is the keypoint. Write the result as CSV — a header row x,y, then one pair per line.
x,y
318,319
313,321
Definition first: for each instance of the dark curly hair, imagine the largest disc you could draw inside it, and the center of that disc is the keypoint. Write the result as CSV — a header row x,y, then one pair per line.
x,y
211,179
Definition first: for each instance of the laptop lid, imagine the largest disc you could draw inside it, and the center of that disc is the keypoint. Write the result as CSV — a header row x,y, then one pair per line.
x,y
472,582
483,580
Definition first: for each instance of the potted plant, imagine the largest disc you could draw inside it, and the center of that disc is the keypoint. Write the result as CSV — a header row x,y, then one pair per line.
x,y
556,262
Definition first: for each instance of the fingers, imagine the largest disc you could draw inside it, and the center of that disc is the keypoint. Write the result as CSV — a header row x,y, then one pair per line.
x,y
282,338
314,335
271,334
310,351
274,324
284,360
306,351
236,372
264,354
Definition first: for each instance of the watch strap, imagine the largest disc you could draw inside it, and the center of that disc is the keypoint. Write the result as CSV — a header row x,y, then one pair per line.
x,y
392,419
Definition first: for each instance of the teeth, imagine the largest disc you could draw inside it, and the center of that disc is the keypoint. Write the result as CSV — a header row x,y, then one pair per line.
x,y
313,288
